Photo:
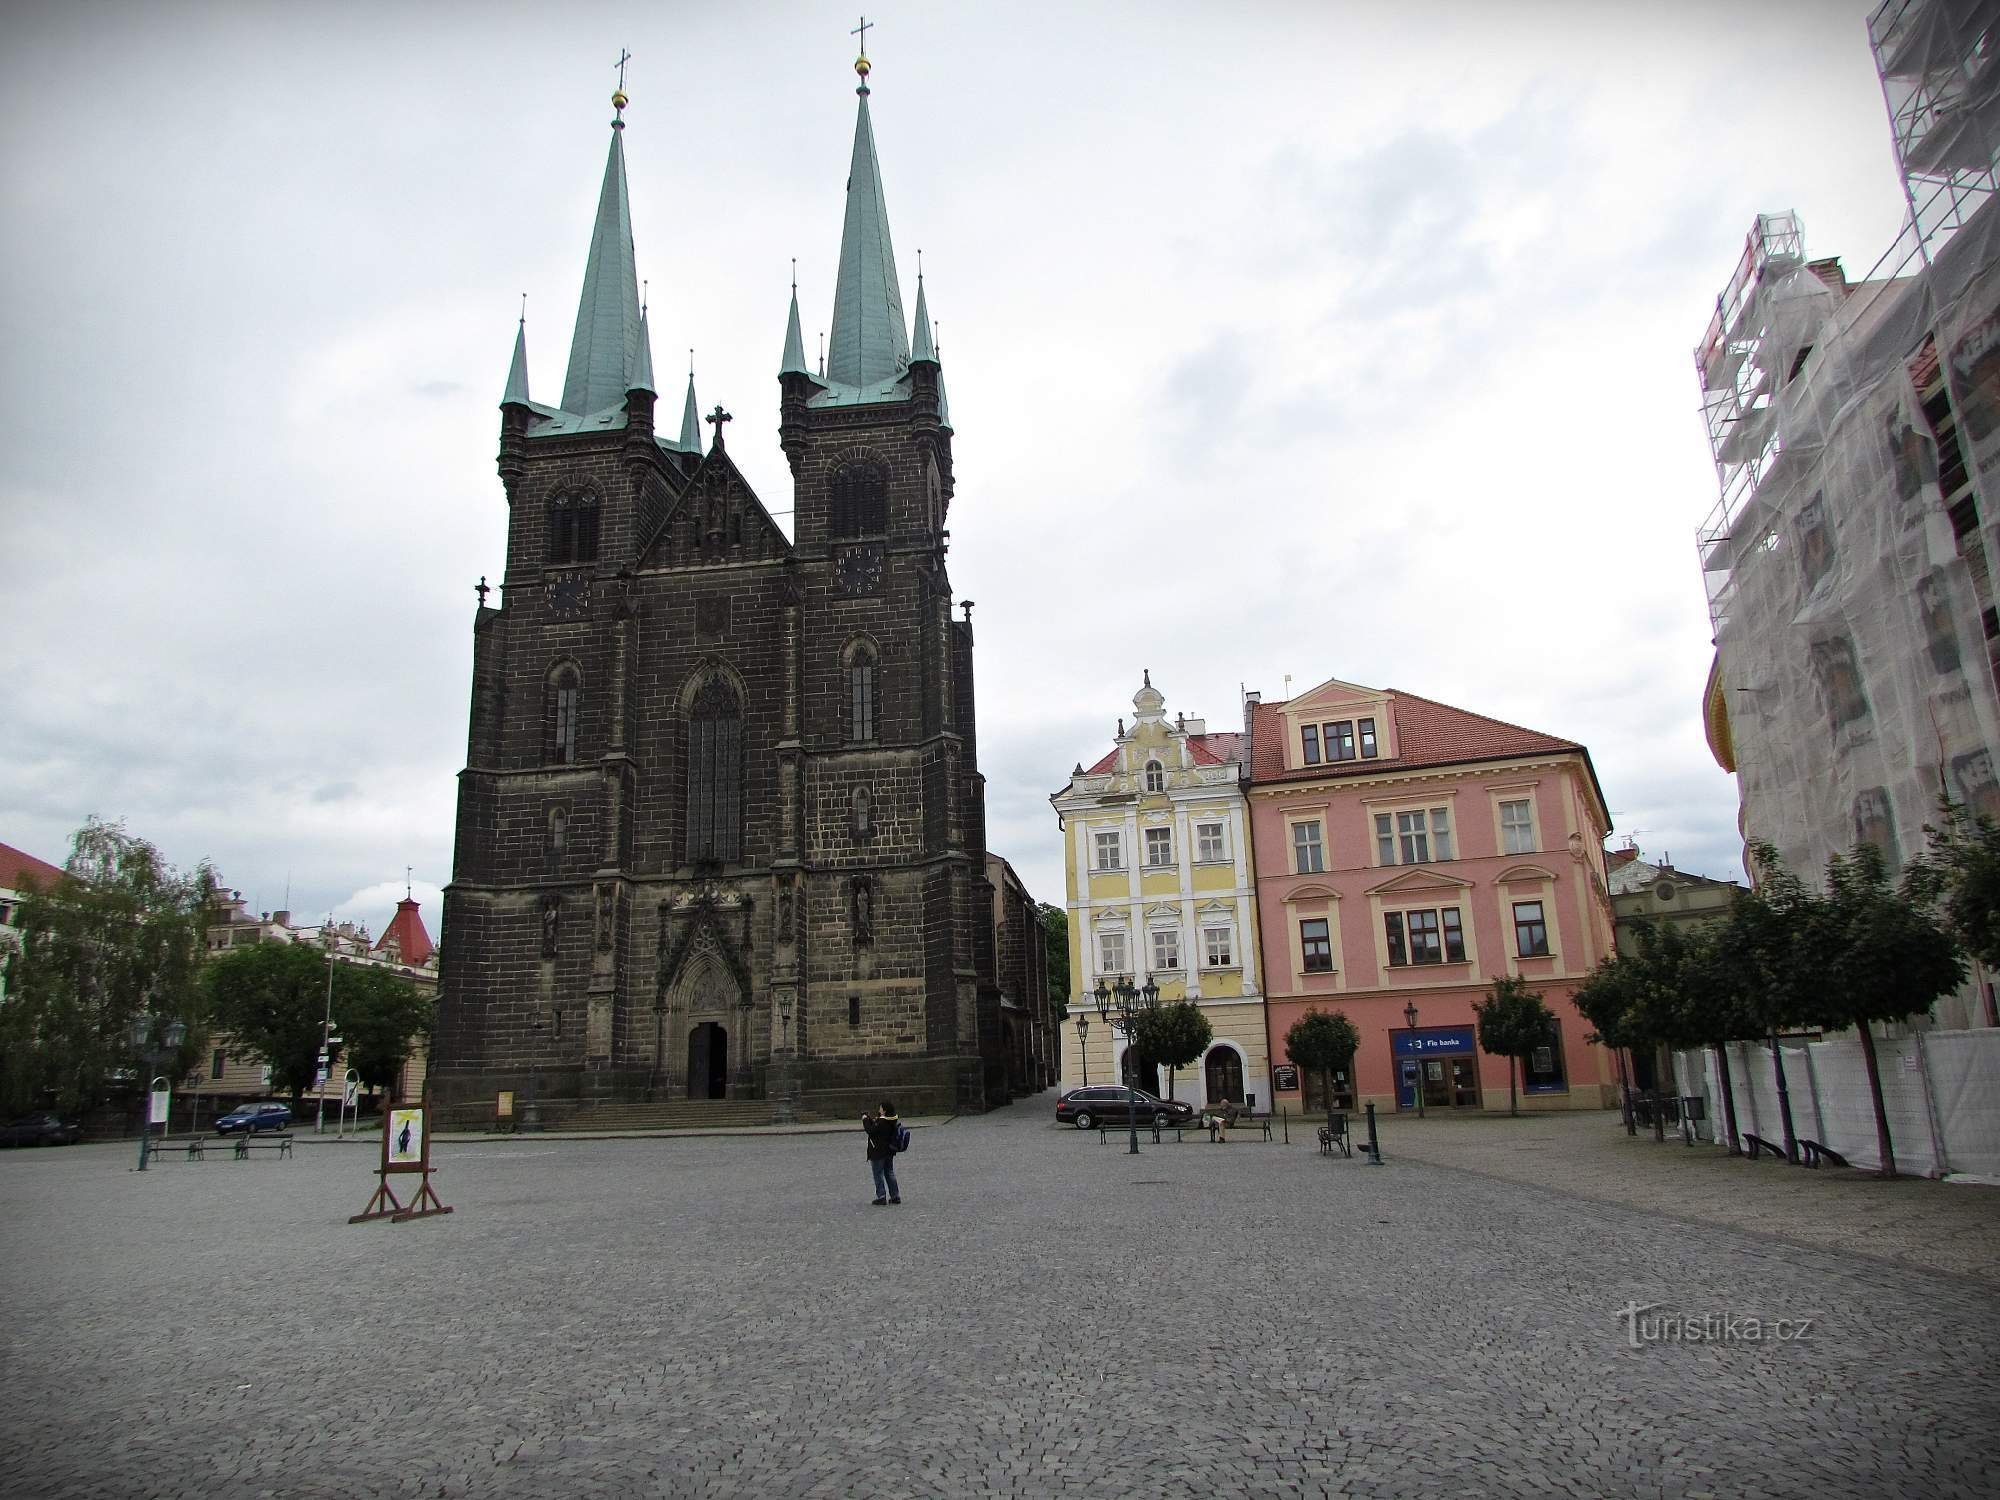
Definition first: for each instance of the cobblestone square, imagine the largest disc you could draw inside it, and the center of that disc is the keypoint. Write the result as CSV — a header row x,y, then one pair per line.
x,y
1045,1315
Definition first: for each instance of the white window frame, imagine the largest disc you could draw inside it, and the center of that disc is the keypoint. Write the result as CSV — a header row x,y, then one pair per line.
x,y
1156,776
1316,843
1525,829
1166,946
1227,946
1107,838
1215,851
1106,940
1164,840
1401,832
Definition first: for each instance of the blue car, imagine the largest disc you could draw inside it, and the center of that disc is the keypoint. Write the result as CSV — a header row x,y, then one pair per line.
x,y
254,1117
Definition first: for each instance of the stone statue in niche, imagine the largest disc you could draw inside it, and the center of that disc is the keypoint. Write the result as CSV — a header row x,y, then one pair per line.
x,y
863,816
864,912
551,919
784,909
606,914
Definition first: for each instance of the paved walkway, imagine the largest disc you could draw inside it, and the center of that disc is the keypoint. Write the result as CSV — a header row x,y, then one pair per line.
x,y
1939,1226
1045,1316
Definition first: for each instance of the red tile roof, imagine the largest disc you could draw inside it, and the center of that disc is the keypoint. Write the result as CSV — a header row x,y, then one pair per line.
x,y
1203,750
407,929
14,864
1428,733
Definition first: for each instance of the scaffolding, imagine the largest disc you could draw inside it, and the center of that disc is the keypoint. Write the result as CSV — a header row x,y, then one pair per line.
x,y
1941,83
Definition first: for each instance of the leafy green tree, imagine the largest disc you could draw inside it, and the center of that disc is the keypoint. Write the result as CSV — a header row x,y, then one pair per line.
x,y
1513,1022
1884,957
381,1016
118,937
1173,1036
272,1000
1960,873
1612,999
1324,1044
1055,934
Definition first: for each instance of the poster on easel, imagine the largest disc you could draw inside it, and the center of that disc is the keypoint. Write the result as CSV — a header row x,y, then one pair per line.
x,y
406,1147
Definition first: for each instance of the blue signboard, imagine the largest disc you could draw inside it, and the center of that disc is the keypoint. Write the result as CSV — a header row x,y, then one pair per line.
x,y
1434,1042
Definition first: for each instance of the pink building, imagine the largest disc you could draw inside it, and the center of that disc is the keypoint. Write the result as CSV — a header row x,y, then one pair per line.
x,y
1408,853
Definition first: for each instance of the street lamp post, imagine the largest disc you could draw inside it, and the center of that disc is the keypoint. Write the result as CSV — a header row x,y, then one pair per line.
x,y
1082,1046
1124,1009
325,1035
157,1045
1410,1015
531,1117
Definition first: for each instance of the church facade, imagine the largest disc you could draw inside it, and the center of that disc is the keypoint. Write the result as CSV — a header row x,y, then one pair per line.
x,y
721,827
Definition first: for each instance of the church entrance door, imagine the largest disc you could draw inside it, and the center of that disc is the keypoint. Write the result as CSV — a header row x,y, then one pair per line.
x,y
708,1062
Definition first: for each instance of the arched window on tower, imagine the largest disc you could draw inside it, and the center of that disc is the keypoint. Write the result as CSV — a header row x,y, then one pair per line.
x,y
714,775
1156,776
859,496
861,691
573,528
563,707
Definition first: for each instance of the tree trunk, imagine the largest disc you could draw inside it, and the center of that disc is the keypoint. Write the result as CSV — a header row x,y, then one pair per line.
x,y
1728,1100
1513,1102
1784,1101
1875,1093
1624,1092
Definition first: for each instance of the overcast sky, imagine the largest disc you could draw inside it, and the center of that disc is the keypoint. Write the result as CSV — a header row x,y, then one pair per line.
x,y
1285,341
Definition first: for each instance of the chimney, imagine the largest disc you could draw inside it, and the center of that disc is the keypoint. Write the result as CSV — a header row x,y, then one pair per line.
x,y
281,918
1250,702
1197,726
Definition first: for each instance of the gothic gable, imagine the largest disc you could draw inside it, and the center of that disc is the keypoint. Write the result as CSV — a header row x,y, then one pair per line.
x,y
716,519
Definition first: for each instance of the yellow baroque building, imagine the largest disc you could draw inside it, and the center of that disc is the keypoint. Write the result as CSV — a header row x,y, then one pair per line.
x,y
1158,872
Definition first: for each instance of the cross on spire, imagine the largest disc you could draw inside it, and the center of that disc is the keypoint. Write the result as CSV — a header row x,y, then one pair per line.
x,y
860,31
717,418
623,58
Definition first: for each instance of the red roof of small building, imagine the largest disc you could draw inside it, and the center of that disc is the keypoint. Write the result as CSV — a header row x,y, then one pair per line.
x,y
1203,750
407,930
1428,733
14,863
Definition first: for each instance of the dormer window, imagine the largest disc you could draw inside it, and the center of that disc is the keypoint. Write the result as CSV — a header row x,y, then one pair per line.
x,y
1156,776
1309,743
1367,730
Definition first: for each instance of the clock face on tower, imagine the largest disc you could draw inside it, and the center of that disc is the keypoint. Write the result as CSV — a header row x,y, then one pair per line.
x,y
859,569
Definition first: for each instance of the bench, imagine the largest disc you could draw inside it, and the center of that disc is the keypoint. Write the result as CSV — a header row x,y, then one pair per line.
x,y
1757,1143
1816,1154
1220,1125
250,1141
192,1145
1335,1133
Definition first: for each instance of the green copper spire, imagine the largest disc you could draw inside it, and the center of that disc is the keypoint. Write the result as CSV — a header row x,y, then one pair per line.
x,y
923,348
690,415
642,376
794,362
869,345
517,373
604,351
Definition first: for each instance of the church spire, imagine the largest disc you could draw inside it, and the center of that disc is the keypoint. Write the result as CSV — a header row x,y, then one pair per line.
x,y
642,373
690,415
517,372
794,361
869,345
604,351
922,346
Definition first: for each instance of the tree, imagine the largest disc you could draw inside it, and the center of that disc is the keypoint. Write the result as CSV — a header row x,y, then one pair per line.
x,y
1173,1036
1883,957
1055,935
1513,1022
1612,1000
1323,1043
272,1000
119,937
1960,873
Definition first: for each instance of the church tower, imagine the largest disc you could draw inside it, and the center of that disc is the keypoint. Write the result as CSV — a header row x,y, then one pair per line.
x,y
721,829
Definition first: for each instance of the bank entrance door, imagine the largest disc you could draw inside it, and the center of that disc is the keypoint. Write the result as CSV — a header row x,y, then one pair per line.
x,y
1443,1062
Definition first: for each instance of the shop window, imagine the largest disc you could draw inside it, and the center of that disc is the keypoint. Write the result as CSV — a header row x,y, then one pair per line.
x,y
1542,1071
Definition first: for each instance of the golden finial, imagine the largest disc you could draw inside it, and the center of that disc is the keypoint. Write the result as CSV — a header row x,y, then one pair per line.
x,y
861,62
618,96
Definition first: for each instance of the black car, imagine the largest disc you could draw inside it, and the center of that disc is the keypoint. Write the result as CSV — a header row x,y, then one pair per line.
x,y
250,1118
1111,1104
40,1130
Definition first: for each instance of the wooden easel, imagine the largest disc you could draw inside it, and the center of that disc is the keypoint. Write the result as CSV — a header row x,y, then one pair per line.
x,y
406,1147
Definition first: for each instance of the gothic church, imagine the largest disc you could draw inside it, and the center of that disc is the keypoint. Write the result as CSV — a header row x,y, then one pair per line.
x,y
721,827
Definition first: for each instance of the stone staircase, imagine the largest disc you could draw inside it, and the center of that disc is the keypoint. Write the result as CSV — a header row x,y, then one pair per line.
x,y
677,1114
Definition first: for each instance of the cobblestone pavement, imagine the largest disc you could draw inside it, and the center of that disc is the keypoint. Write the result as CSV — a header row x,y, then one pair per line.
x,y
1941,1226
1046,1315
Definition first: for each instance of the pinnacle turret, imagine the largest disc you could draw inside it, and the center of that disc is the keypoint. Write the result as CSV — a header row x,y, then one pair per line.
x,y
517,373
690,415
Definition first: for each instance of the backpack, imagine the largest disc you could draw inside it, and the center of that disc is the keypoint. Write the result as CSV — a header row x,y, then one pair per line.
x,y
902,1137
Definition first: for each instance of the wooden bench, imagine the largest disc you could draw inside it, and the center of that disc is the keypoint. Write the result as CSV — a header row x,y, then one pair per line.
x,y
1219,1125
249,1141
1757,1143
1816,1154
193,1147
1335,1133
